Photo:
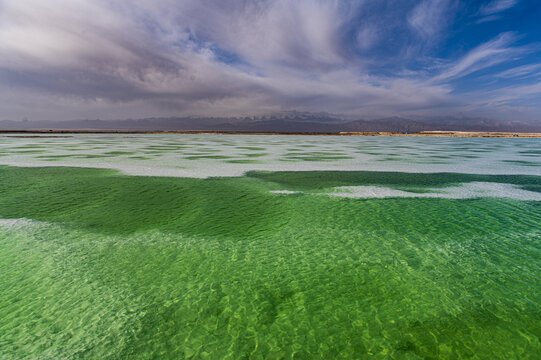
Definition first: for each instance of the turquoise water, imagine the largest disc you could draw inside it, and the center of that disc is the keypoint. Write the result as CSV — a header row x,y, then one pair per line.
x,y
293,256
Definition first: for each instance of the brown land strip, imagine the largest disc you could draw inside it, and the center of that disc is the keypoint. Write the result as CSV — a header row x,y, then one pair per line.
x,y
33,133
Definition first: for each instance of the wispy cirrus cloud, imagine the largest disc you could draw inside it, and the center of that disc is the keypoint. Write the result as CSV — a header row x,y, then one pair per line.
x,y
483,56
492,10
524,71
496,6
509,99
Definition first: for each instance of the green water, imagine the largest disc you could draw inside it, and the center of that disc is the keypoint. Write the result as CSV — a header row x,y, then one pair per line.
x,y
95,264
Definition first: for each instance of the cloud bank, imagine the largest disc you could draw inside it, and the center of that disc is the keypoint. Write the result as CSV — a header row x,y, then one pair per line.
x,y
65,59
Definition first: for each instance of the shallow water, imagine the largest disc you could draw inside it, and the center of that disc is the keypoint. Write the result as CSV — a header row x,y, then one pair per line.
x,y
316,262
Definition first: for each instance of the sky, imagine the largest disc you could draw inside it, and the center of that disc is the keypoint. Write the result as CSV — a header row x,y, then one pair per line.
x,y
112,59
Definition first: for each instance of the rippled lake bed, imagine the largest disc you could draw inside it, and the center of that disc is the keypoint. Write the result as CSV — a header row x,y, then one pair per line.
x,y
269,247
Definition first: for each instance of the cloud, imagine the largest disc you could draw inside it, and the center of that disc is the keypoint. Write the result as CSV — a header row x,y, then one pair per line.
x,y
483,56
281,54
491,11
109,59
523,71
429,17
296,33
523,92
368,36
496,6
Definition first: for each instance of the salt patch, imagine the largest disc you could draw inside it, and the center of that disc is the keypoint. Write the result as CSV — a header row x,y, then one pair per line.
x,y
22,222
463,191
285,192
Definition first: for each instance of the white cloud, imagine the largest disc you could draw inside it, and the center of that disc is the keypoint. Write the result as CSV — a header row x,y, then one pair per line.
x,y
521,71
429,18
368,36
496,6
483,56
101,54
102,58
517,92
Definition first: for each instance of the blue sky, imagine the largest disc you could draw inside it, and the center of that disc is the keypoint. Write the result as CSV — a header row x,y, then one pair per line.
x,y
73,59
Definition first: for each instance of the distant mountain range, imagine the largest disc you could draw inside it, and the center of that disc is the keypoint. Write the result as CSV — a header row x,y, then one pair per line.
x,y
283,122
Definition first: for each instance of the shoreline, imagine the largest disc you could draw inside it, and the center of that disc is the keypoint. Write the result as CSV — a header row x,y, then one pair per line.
x,y
492,134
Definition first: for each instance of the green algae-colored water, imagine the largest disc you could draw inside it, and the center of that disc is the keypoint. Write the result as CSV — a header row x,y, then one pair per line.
x,y
332,262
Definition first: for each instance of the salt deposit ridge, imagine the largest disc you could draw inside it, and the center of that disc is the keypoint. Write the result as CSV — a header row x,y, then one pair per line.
x,y
204,156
